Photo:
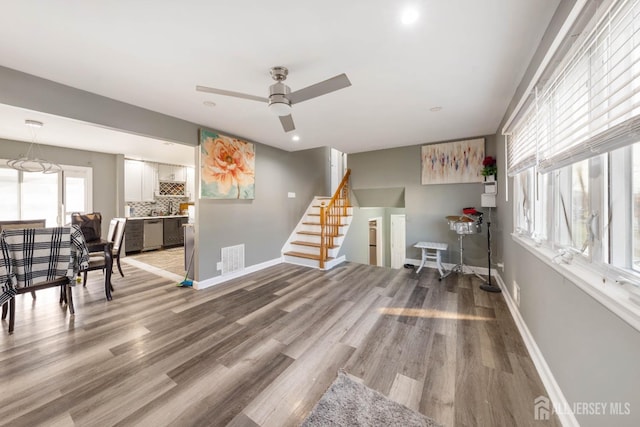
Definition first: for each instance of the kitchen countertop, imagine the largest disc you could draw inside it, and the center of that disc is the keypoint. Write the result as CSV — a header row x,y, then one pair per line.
x,y
158,217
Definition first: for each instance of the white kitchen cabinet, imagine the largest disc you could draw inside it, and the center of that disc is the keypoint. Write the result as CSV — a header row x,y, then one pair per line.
x,y
149,181
171,173
140,180
191,183
133,180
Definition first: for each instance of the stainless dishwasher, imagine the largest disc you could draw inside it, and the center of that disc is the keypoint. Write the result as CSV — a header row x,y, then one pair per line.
x,y
153,234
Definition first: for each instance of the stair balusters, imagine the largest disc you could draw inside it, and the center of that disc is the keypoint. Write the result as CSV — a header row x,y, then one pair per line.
x,y
331,217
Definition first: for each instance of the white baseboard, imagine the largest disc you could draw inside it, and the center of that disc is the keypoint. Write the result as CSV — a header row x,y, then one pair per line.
x,y
448,266
555,393
213,281
328,265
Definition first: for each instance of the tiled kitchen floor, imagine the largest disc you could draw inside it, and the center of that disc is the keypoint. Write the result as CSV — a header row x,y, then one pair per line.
x,y
171,260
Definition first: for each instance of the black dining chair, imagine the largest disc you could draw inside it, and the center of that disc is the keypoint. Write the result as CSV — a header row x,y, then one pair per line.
x,y
118,242
97,260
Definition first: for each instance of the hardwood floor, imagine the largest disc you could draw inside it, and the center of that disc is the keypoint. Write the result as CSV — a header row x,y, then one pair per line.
x,y
261,350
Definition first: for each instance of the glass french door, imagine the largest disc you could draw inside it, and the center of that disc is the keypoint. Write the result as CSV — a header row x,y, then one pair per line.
x,y
33,195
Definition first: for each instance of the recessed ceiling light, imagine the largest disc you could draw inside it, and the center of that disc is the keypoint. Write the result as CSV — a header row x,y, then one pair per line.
x,y
435,109
409,15
209,103
295,138
33,123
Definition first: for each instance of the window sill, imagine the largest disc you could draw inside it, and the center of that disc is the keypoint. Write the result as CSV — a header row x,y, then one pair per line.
x,y
606,291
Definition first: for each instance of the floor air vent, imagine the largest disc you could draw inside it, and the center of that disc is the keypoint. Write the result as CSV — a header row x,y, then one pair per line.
x,y
232,259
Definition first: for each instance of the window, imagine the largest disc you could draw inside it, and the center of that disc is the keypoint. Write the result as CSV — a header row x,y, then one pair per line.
x,y
40,197
76,192
10,194
29,195
580,197
523,203
635,209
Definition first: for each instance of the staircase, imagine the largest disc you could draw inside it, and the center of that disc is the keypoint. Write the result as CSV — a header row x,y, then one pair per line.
x,y
318,236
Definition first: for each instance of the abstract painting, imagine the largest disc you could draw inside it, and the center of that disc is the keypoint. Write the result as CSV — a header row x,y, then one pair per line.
x,y
453,162
227,167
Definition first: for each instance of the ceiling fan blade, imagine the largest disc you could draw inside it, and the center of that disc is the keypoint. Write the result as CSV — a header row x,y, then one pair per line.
x,y
330,85
287,123
231,93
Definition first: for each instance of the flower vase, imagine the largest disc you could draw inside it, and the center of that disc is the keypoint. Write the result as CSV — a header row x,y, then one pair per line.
x,y
490,178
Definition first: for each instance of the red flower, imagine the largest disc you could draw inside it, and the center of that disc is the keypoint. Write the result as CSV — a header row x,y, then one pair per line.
x,y
488,161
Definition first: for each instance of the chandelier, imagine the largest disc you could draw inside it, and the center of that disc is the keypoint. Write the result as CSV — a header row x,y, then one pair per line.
x,y
33,161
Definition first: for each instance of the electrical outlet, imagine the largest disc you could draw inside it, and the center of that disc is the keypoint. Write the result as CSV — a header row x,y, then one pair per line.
x,y
219,266
291,195
516,293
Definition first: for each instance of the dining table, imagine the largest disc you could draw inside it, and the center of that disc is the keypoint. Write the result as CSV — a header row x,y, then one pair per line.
x,y
105,246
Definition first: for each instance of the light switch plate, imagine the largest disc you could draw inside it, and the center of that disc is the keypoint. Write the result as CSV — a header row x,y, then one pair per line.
x,y
291,195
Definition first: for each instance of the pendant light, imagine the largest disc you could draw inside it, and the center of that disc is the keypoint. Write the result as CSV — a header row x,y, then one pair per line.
x,y
33,161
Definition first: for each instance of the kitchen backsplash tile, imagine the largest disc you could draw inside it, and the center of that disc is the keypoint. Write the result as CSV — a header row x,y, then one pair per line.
x,y
163,206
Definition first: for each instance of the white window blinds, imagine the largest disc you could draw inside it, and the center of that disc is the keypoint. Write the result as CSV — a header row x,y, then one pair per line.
x,y
591,103
521,143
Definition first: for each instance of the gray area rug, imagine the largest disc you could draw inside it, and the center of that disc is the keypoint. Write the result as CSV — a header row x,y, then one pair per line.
x,y
350,403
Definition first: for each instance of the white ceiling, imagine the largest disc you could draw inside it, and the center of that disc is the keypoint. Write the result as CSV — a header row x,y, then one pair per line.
x,y
465,56
63,132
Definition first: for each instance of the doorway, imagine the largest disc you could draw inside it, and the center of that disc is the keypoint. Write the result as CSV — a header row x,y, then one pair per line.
x,y
338,168
398,240
376,242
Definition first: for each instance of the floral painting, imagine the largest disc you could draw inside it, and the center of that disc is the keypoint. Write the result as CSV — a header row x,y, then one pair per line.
x,y
227,167
453,162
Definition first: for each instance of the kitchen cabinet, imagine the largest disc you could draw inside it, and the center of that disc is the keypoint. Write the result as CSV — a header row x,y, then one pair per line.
x,y
191,183
173,234
133,235
140,181
132,180
149,181
171,173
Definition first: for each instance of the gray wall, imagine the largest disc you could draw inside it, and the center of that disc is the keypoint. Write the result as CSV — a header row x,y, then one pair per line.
x,y
34,93
592,353
264,224
426,206
107,176
356,243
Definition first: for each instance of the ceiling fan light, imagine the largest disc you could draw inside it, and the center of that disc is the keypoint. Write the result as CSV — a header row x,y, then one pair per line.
x,y
280,108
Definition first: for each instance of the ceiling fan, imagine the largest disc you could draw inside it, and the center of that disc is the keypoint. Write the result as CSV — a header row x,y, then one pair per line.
x,y
281,98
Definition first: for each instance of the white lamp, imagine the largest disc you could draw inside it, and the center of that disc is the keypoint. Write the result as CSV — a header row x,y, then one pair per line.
x,y
280,108
279,104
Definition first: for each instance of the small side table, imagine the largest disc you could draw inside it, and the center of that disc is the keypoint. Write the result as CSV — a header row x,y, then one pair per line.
x,y
431,251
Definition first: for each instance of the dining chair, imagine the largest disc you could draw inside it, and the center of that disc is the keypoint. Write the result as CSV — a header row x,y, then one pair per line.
x,y
118,243
25,223
90,224
35,259
98,260
112,229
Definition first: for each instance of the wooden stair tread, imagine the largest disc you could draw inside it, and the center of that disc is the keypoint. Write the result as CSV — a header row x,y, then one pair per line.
x,y
317,223
307,256
316,233
310,244
314,214
319,206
